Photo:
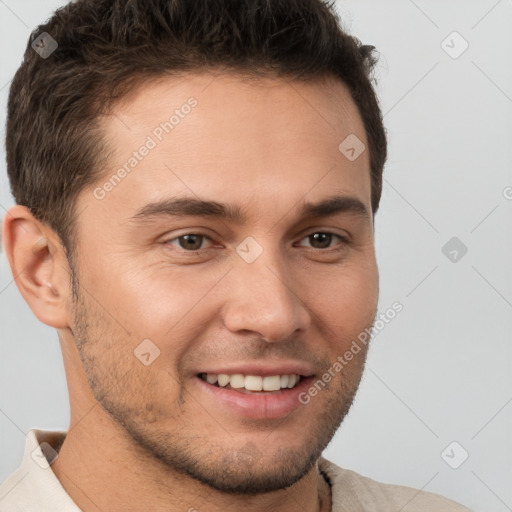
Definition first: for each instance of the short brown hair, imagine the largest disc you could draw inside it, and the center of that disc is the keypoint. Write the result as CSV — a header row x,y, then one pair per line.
x,y
106,47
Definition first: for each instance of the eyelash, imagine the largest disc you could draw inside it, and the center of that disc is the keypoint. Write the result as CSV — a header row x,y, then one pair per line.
x,y
344,241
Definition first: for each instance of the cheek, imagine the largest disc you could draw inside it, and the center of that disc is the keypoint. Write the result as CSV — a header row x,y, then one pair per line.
x,y
359,297
168,305
347,296
146,297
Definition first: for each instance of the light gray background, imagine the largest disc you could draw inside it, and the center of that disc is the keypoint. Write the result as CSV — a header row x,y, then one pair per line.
x,y
441,371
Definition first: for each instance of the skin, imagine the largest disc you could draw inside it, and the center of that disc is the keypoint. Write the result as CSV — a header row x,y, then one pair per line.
x,y
149,435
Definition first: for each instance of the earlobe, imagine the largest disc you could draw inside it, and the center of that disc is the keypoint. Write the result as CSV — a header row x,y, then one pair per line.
x,y
38,264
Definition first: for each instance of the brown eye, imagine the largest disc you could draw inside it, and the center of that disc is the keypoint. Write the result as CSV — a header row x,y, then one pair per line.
x,y
189,242
322,240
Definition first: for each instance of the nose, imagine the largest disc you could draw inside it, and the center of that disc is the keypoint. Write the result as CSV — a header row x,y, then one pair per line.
x,y
263,299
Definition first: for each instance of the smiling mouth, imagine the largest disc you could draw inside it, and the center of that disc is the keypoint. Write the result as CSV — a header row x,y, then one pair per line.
x,y
252,384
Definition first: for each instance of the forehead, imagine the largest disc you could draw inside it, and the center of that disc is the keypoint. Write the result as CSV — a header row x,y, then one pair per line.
x,y
255,106
227,136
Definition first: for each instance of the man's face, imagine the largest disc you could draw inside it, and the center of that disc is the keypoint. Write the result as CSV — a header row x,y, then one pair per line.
x,y
271,293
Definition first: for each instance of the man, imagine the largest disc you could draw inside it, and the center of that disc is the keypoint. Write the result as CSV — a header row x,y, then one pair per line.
x,y
196,185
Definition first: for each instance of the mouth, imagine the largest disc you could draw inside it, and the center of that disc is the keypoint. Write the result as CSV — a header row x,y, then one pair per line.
x,y
253,384
262,390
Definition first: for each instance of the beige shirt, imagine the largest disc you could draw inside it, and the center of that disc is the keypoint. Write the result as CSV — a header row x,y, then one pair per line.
x,y
33,487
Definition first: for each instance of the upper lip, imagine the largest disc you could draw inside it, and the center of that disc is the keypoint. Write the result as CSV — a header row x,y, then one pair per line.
x,y
263,369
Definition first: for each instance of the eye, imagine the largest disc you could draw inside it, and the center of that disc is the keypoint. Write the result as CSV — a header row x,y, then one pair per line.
x,y
322,239
189,241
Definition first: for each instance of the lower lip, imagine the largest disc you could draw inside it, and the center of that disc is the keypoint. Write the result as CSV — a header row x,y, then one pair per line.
x,y
262,406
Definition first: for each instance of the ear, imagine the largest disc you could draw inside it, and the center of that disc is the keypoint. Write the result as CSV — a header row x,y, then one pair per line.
x,y
39,266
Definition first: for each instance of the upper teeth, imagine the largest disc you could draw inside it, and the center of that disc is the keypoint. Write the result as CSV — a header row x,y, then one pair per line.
x,y
254,382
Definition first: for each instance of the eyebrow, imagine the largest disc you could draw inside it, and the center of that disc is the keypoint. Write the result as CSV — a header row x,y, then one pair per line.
x,y
182,207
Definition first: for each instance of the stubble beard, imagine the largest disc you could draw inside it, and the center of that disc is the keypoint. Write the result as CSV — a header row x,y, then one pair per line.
x,y
225,467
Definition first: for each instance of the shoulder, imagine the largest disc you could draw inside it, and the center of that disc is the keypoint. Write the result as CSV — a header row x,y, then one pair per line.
x,y
354,492
10,490
33,487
